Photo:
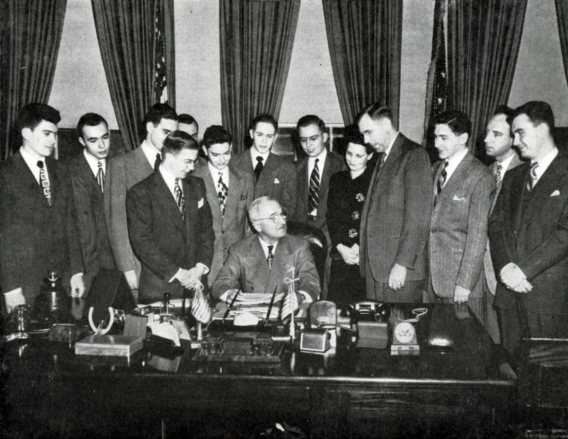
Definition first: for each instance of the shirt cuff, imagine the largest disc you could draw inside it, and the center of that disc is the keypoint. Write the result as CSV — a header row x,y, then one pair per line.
x,y
306,296
205,267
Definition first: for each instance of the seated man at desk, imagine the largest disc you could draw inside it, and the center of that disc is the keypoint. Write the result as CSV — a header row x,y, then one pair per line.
x,y
262,262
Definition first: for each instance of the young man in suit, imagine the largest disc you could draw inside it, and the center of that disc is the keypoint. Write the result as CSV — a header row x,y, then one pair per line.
x,y
260,263
463,194
86,173
498,145
528,232
275,175
124,172
229,193
36,232
188,124
396,214
169,221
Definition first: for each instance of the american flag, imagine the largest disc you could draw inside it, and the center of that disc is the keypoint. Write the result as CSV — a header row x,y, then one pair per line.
x,y
290,303
200,308
160,71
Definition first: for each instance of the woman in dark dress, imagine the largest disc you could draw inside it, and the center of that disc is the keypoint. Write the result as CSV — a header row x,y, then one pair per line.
x,y
347,192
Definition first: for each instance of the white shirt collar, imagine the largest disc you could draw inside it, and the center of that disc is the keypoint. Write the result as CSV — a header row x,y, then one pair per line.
x,y
150,152
170,180
504,165
215,174
254,154
388,150
453,163
31,158
265,245
545,162
94,163
321,163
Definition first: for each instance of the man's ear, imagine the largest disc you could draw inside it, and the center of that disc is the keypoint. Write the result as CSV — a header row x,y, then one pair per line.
x,y
26,133
204,148
82,142
324,137
251,133
463,138
150,127
255,225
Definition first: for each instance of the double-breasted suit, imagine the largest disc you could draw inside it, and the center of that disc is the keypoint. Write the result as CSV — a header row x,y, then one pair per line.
x,y
246,268
277,180
395,219
233,225
458,231
34,237
89,217
124,171
530,229
161,239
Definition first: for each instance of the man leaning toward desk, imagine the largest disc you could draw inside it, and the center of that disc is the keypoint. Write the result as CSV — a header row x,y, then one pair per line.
x,y
260,263
169,222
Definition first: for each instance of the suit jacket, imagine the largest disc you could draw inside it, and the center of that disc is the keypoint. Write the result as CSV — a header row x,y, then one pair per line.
x,y
277,180
35,238
88,214
246,268
333,163
161,239
124,171
458,228
490,278
531,230
233,226
396,214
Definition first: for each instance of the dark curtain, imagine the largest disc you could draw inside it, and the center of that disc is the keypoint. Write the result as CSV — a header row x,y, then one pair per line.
x,y
30,35
133,41
562,17
364,40
483,44
257,37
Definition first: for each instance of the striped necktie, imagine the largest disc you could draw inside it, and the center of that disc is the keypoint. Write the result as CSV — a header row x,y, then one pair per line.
x,y
179,198
222,192
270,256
101,176
44,183
313,190
442,179
533,176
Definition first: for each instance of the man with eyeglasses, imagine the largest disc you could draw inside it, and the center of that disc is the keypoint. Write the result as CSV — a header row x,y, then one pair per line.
x,y
262,262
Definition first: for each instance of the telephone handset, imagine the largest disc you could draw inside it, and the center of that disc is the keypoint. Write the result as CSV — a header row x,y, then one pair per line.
x,y
370,310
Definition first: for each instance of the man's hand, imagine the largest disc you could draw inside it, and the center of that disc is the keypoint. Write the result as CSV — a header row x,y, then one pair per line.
x,y
131,279
397,277
461,295
349,256
514,278
190,278
77,285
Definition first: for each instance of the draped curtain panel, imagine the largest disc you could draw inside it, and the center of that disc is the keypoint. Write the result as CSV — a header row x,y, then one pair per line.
x,y
562,17
133,42
483,45
364,39
30,34
256,38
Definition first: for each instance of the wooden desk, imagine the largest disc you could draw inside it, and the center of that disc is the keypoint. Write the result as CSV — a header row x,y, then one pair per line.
x,y
357,393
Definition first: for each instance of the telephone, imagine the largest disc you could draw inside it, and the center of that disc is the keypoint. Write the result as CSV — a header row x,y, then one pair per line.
x,y
371,318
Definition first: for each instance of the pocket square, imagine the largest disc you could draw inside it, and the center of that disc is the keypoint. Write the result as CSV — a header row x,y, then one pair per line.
x,y
456,198
276,181
200,203
555,193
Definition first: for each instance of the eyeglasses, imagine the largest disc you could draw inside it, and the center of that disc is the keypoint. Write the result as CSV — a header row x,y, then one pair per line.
x,y
275,217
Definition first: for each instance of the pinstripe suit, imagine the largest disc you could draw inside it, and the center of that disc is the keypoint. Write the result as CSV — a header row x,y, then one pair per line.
x,y
458,231
233,225
394,224
277,180
88,214
124,172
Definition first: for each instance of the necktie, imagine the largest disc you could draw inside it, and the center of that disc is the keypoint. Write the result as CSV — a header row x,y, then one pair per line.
x,y
259,166
158,160
270,257
442,179
498,178
533,176
101,177
44,183
382,160
313,190
179,198
222,191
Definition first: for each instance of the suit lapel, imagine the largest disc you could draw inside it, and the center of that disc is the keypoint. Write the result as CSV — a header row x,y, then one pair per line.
x,y
86,176
390,163
235,187
519,188
28,183
548,182
270,168
210,186
280,266
303,184
166,200
458,177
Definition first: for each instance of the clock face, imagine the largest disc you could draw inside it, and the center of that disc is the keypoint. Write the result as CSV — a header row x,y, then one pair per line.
x,y
405,333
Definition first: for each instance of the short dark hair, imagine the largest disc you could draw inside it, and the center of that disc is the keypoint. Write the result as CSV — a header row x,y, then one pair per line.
x,y
31,115
266,118
91,120
216,134
158,112
537,111
376,111
505,110
353,135
178,140
310,119
458,121
187,119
